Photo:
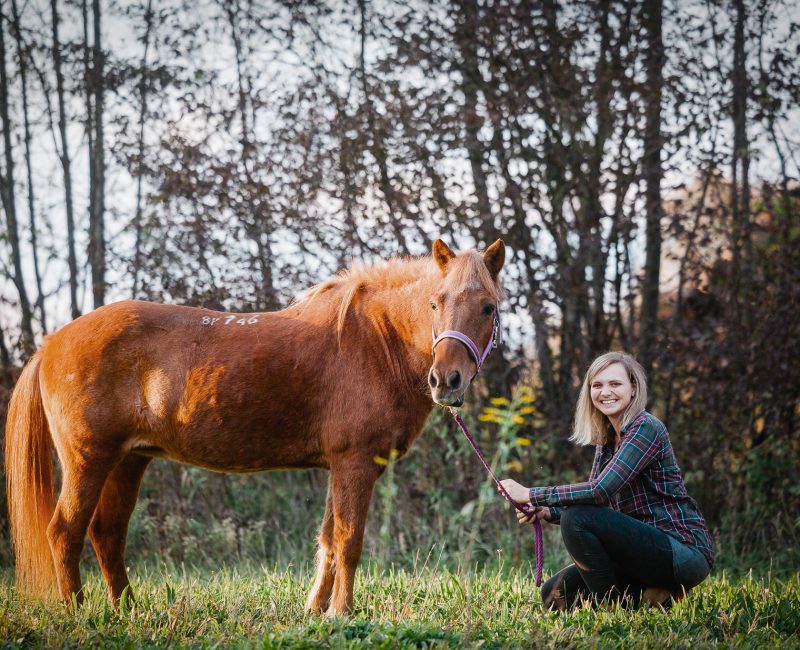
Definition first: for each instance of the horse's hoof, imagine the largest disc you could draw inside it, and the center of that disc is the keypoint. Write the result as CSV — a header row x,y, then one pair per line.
x,y
335,612
313,606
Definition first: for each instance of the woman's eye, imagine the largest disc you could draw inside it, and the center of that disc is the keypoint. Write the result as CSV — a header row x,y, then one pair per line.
x,y
487,310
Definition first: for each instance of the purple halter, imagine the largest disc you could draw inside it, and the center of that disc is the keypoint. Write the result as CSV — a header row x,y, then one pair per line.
x,y
479,357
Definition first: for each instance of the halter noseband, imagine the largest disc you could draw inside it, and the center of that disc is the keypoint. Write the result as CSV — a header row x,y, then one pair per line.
x,y
479,357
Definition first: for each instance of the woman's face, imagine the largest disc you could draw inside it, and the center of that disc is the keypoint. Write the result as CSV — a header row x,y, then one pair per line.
x,y
612,391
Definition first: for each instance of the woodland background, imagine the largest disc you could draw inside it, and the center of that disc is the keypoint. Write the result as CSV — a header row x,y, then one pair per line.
x,y
640,160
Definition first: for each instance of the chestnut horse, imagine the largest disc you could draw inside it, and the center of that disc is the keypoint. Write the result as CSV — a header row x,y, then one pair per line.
x,y
345,374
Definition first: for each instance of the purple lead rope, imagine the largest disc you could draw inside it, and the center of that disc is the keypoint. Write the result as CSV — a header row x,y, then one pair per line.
x,y
537,524
494,340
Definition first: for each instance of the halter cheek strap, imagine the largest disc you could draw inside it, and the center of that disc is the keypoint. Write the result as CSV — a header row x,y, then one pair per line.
x,y
479,357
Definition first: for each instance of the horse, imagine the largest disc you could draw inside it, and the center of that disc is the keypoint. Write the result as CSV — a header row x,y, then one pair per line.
x,y
343,375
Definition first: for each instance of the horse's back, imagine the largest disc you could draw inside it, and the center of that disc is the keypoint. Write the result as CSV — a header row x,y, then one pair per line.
x,y
132,328
206,387
107,343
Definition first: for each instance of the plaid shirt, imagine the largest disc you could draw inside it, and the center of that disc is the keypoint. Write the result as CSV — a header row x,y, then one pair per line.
x,y
640,479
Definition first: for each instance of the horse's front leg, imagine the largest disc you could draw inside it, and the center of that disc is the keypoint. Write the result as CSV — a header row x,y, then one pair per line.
x,y
352,481
320,595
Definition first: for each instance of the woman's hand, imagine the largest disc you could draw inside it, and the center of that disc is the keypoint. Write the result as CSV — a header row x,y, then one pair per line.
x,y
516,491
538,512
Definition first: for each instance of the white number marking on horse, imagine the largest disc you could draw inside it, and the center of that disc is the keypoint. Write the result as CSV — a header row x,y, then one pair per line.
x,y
230,319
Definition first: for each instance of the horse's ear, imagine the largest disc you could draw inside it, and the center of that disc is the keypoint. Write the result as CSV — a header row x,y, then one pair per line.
x,y
442,254
494,257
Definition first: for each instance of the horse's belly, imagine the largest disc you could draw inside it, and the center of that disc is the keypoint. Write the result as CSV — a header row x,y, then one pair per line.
x,y
230,417
224,453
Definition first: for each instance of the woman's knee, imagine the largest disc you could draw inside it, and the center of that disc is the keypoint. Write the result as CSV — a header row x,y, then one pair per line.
x,y
578,517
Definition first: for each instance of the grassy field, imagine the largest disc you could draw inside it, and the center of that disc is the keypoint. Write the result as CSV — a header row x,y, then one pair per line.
x,y
398,608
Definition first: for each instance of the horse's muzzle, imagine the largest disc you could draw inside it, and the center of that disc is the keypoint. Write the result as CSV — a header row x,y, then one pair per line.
x,y
448,398
459,401
447,389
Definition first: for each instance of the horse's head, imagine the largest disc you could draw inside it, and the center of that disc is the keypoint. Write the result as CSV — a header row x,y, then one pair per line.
x,y
465,323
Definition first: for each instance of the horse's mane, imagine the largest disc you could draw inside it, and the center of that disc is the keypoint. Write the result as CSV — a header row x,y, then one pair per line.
x,y
395,273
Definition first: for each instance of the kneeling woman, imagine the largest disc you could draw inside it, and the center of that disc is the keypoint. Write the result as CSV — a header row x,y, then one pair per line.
x,y
632,530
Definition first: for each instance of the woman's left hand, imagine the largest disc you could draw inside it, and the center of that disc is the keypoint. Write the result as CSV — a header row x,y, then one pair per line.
x,y
516,491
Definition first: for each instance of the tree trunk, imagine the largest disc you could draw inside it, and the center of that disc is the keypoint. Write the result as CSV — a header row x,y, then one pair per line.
x,y
569,287
5,362
471,81
97,243
740,172
9,205
651,168
65,166
137,218
260,230
597,248
23,75
89,119
377,147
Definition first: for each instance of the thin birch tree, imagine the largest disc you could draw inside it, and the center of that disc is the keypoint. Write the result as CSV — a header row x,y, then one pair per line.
x,y
7,194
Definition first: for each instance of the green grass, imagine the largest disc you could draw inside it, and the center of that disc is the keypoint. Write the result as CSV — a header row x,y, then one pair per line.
x,y
420,608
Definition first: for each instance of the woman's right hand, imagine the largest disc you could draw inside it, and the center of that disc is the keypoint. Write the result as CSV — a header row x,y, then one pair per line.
x,y
539,512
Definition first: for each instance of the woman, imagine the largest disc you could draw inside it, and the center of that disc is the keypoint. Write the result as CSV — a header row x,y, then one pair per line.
x,y
632,530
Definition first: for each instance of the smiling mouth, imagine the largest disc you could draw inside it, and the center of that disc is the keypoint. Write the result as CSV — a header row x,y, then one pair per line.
x,y
609,402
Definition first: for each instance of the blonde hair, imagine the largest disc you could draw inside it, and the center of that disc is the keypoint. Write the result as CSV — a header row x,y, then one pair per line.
x,y
591,426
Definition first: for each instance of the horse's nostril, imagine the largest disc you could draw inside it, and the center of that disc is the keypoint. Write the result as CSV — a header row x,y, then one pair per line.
x,y
432,379
454,381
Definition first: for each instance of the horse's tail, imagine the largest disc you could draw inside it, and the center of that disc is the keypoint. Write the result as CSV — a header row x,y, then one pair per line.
x,y
29,482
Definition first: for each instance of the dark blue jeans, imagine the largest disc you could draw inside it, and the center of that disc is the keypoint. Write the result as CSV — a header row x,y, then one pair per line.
x,y
617,557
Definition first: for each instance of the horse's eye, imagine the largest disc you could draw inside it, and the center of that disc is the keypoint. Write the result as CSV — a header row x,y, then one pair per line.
x,y
487,310
433,306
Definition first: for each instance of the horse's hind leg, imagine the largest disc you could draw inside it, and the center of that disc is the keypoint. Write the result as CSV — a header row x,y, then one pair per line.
x,y
320,594
109,526
352,490
83,477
